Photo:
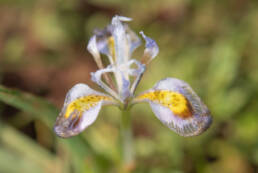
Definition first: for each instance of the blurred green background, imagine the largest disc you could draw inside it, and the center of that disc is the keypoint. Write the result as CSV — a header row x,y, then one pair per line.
x,y
213,45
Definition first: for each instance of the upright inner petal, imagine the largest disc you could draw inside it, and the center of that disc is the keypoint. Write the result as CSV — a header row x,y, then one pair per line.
x,y
83,104
175,101
120,40
111,46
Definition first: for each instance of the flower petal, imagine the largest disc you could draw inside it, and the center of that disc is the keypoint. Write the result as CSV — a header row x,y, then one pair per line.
x,y
151,49
138,73
122,46
133,39
177,106
93,49
105,42
81,108
116,36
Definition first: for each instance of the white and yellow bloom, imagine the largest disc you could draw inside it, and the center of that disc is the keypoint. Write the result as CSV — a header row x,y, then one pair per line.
x,y
172,100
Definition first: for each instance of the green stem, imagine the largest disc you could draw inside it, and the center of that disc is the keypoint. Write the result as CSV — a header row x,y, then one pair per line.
x,y
127,139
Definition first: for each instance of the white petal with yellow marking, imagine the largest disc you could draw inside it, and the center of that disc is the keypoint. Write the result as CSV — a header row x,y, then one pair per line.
x,y
81,108
177,106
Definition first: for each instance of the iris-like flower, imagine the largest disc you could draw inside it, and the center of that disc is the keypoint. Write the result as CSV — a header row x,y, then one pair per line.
x,y
172,100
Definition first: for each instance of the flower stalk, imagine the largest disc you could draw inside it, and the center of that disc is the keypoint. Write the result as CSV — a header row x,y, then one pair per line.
x,y
127,150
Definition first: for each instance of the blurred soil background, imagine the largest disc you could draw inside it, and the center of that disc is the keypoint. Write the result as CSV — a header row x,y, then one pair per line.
x,y
213,45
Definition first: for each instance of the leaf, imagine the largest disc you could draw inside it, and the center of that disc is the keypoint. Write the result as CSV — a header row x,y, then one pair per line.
x,y
42,110
20,147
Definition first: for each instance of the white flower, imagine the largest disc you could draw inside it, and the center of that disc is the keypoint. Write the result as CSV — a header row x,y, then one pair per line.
x,y
173,101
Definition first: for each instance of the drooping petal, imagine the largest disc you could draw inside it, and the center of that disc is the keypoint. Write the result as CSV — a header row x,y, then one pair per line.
x,y
151,49
81,108
177,106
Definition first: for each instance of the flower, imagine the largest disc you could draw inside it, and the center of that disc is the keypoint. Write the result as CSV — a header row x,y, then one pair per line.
x,y
172,100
